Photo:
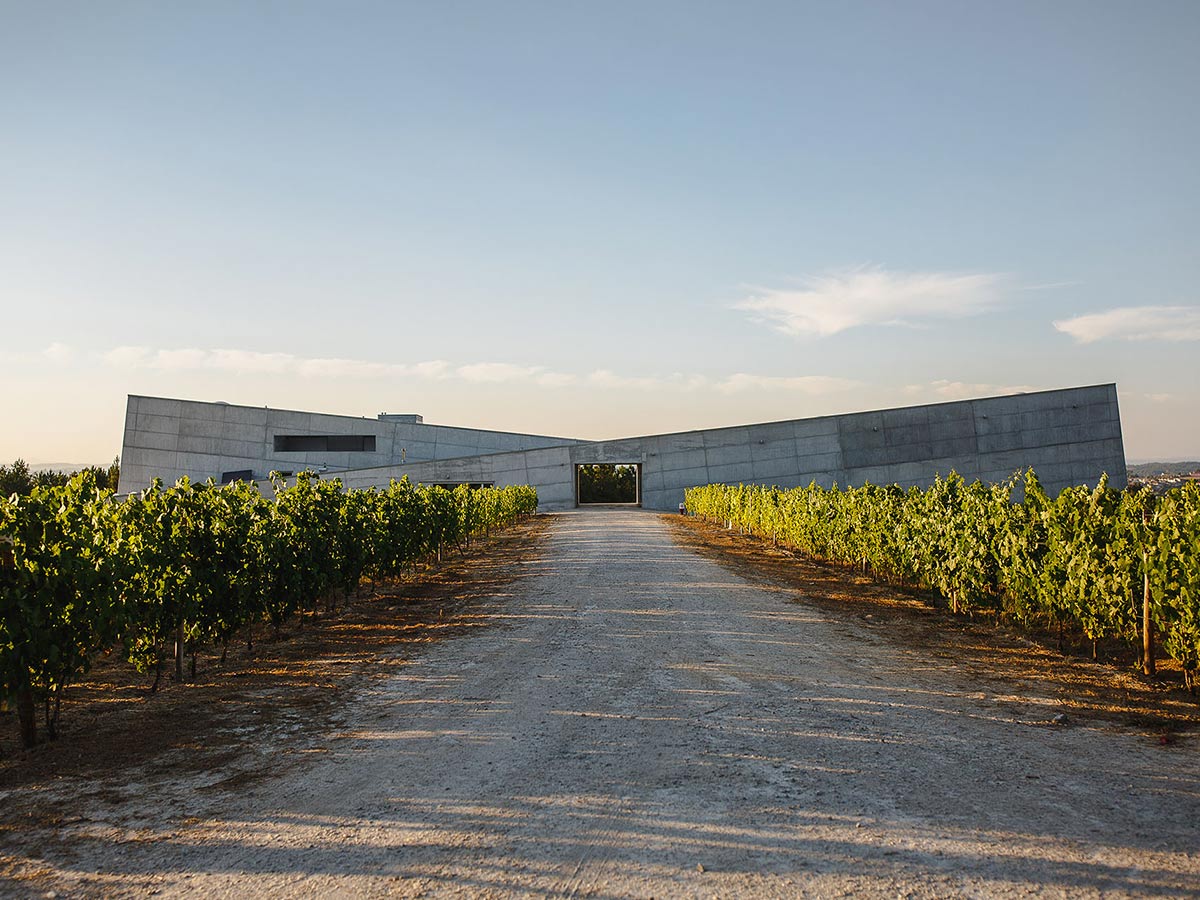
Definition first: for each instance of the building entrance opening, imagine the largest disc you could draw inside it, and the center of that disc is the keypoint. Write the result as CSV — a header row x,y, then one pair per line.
x,y
608,483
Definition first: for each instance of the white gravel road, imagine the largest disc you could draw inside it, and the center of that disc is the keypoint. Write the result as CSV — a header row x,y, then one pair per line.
x,y
640,722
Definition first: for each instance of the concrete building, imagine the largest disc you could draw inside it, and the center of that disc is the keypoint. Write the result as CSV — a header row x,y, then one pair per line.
x,y
1068,436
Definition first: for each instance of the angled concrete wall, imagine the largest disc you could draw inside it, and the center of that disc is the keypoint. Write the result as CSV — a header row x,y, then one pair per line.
x,y
172,438
1069,436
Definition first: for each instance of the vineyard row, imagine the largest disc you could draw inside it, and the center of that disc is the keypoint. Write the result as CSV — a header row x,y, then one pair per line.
x,y
1113,564
168,571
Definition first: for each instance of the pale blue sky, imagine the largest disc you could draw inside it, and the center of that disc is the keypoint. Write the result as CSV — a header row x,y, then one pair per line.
x,y
595,219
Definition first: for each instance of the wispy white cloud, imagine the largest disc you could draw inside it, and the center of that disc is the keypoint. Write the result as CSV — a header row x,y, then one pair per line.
x,y
1135,323
129,357
253,362
827,304
56,353
556,379
247,361
1050,285
59,353
190,358
963,390
801,384
604,378
493,372
335,367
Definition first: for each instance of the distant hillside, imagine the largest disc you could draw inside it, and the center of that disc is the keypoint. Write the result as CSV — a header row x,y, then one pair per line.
x,y
1144,470
63,467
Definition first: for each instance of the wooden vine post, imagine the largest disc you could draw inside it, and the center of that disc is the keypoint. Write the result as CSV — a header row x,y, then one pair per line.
x,y
1147,619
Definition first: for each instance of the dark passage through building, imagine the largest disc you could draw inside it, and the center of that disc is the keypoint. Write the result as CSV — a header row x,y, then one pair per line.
x,y
608,483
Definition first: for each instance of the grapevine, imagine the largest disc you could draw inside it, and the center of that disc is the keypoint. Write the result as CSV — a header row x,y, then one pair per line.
x,y
1110,564
170,570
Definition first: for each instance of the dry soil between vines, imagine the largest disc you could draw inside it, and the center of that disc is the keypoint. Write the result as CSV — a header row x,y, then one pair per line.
x,y
639,721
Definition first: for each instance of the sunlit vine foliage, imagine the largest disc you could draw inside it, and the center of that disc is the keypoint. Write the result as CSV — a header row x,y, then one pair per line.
x,y
1084,559
172,569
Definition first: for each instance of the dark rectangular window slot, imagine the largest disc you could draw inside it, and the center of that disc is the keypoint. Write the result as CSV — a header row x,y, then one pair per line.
x,y
239,475
324,443
356,443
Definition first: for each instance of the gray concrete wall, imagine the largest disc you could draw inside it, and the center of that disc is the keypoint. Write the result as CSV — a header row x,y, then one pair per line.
x,y
1069,436
172,438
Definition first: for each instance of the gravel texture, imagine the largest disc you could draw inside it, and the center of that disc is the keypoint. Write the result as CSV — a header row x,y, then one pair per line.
x,y
641,722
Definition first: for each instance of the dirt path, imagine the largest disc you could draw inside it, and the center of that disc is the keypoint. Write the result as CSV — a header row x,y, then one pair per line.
x,y
642,722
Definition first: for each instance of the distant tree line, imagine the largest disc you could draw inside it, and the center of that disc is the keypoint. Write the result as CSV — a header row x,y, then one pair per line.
x,y
19,479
